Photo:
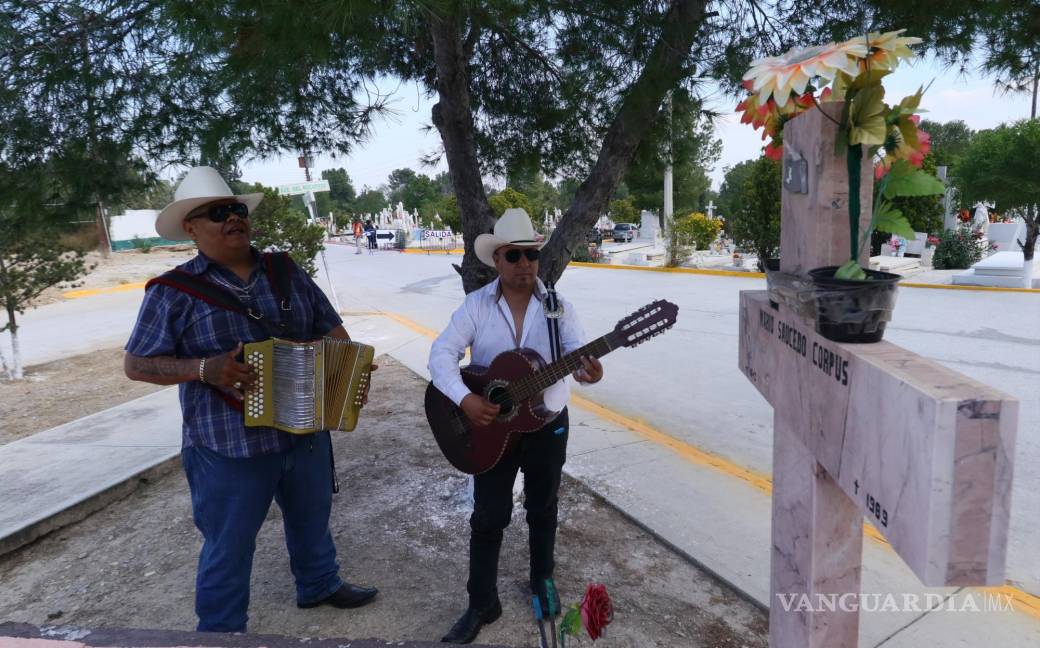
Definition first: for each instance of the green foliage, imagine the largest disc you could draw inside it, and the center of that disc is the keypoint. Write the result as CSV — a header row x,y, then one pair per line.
x,y
923,213
411,189
1001,166
341,190
508,198
753,217
689,139
279,225
697,229
447,207
32,259
624,211
141,245
370,201
902,181
958,249
949,142
732,188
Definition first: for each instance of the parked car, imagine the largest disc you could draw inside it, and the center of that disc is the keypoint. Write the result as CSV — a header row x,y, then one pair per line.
x,y
624,232
594,236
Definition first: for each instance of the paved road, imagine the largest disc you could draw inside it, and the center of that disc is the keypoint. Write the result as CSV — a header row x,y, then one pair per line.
x,y
685,383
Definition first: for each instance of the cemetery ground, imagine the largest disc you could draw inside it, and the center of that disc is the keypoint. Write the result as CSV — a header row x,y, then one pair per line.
x,y
400,523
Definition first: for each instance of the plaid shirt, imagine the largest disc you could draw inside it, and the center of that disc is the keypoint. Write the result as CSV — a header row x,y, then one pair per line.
x,y
173,323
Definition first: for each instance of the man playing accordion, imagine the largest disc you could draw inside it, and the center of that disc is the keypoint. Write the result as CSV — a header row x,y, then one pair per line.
x,y
186,336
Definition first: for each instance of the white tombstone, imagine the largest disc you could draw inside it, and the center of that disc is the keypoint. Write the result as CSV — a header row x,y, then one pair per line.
x,y
711,209
981,216
649,226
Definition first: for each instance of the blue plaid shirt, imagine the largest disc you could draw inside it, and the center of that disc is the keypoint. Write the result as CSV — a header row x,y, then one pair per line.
x,y
173,323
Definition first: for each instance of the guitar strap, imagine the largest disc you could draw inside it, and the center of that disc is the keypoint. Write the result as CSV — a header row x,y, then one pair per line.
x,y
553,313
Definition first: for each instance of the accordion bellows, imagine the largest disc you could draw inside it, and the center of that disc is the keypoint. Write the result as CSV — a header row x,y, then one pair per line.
x,y
304,387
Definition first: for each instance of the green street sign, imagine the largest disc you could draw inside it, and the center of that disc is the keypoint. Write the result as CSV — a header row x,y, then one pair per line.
x,y
297,188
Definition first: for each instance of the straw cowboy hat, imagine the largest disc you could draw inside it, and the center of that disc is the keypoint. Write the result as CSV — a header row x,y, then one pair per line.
x,y
513,228
201,185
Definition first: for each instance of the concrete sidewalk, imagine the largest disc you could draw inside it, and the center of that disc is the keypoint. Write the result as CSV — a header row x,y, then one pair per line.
x,y
716,516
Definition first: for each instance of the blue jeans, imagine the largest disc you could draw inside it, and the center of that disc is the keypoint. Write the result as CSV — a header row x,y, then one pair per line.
x,y
230,499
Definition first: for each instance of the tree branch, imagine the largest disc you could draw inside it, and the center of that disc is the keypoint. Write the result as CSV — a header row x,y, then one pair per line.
x,y
633,122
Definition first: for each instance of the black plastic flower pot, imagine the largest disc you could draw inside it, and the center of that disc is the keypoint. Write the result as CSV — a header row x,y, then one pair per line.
x,y
771,266
849,310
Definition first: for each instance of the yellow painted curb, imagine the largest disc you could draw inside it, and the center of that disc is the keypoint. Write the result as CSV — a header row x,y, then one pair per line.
x,y
696,271
910,284
422,251
1022,600
760,275
90,292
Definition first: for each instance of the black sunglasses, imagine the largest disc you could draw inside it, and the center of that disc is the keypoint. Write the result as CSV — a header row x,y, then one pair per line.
x,y
219,213
513,255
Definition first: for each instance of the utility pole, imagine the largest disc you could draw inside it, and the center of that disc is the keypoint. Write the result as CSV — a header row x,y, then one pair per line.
x,y
667,210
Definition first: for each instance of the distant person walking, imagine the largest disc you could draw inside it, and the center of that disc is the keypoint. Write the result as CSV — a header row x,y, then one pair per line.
x,y
358,231
370,232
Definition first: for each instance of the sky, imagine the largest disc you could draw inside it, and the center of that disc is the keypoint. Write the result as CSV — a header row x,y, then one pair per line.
x,y
403,138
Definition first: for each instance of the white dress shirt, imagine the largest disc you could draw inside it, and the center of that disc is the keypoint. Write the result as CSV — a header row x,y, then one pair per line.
x,y
485,324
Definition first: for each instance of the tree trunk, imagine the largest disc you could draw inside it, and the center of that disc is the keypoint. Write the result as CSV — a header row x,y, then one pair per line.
x,y
104,241
1029,246
1036,84
453,117
635,118
16,354
4,366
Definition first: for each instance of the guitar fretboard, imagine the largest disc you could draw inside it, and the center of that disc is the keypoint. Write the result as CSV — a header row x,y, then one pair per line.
x,y
540,380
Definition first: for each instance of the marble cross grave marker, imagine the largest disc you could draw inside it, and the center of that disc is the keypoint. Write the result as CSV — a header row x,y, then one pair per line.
x,y
865,430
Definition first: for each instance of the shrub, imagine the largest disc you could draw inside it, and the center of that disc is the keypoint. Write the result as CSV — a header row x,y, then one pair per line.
x,y
697,229
141,245
958,249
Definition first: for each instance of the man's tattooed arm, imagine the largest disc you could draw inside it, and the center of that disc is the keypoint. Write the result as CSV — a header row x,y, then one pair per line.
x,y
160,370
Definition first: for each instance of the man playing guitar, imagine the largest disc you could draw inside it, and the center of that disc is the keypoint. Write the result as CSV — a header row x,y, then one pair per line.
x,y
507,314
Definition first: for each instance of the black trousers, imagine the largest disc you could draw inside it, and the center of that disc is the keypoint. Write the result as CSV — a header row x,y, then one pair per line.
x,y
540,455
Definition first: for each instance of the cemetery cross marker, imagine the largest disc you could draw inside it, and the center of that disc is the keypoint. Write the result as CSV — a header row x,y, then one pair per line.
x,y
865,430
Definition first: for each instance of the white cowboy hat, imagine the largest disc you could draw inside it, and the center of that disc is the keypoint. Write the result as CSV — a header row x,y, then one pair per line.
x,y
201,185
513,228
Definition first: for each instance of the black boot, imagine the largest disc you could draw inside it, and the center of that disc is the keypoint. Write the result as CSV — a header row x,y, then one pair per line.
x,y
347,596
469,624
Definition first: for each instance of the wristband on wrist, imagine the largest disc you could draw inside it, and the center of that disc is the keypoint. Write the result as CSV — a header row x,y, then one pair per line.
x,y
202,370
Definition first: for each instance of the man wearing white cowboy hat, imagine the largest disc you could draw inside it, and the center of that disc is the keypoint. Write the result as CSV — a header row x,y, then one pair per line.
x,y
190,329
508,313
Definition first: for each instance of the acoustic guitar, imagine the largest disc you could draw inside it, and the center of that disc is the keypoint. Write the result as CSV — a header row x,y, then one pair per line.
x,y
515,381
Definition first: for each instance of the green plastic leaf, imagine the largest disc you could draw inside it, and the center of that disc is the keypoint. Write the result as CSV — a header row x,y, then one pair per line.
x,y
891,220
870,78
850,270
905,180
867,117
571,623
911,102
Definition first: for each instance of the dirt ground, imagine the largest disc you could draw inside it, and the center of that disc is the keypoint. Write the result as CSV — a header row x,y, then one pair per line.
x,y
127,266
400,523
61,391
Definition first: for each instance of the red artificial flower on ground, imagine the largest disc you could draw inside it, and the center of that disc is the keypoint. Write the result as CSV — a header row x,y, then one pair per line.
x,y
596,610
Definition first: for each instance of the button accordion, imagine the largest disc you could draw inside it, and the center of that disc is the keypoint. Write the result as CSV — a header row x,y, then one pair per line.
x,y
304,387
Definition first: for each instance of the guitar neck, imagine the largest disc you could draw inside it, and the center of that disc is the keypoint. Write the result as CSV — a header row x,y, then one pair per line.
x,y
540,380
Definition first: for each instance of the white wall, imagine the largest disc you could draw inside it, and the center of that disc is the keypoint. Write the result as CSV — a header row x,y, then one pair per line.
x,y
135,222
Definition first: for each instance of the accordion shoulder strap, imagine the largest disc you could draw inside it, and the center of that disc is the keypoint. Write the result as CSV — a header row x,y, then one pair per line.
x,y
278,267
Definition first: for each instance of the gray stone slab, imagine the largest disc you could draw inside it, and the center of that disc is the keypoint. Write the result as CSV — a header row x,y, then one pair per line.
x,y
23,635
61,475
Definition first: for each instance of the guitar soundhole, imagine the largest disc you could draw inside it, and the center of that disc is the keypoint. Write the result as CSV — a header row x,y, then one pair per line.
x,y
500,396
